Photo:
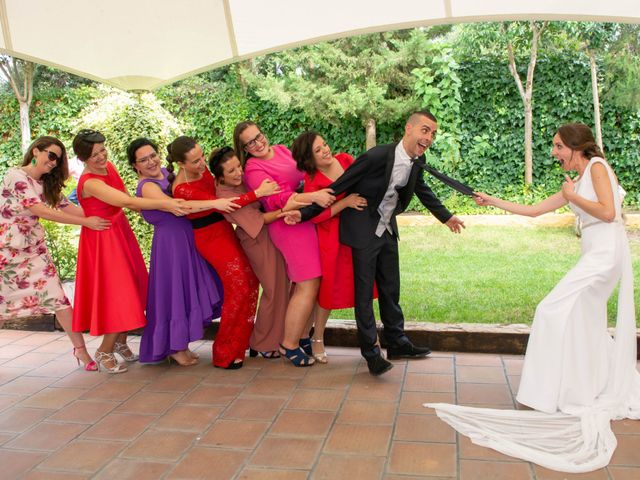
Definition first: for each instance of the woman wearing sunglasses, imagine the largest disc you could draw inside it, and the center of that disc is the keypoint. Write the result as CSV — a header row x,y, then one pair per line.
x,y
111,277
297,243
30,284
185,293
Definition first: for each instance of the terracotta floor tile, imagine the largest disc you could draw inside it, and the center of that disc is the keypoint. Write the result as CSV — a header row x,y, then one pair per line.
x,y
119,427
133,470
47,436
25,385
7,373
423,428
37,339
229,377
478,359
113,391
173,383
431,365
56,347
514,383
337,467
254,408
623,473
424,382
80,379
253,473
469,374
513,365
283,452
84,411
283,370
5,437
213,395
487,394
83,456
338,380
15,463
359,439
388,392
188,417
411,402
327,400
234,434
40,474
626,427
55,398
55,369
368,413
545,474
469,450
153,403
413,477
13,351
160,445
628,451
199,463
273,387
140,373
423,459
19,419
31,360
479,470
302,423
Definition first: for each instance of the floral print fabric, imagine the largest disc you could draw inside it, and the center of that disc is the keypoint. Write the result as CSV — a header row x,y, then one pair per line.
x,y
30,284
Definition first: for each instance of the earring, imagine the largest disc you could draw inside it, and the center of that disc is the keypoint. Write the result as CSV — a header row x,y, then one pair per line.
x,y
33,161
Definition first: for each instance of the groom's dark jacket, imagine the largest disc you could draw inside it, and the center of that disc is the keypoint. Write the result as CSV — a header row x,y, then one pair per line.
x,y
369,176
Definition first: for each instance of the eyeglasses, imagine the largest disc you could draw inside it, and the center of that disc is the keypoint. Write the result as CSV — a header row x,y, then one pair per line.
x,y
220,153
52,156
256,139
145,160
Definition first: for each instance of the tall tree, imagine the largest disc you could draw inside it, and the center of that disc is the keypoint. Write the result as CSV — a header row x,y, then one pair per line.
x,y
368,77
535,30
19,74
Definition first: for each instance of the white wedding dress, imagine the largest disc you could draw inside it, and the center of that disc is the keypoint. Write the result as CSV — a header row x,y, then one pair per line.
x,y
575,376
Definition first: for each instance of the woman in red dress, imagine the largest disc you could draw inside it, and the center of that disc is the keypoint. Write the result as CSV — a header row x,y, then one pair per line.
x,y
217,243
313,156
111,277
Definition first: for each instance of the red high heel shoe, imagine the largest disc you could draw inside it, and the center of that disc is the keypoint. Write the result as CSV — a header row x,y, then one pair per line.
x,y
92,366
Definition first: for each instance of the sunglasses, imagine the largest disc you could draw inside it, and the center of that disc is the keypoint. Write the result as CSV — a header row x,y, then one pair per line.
x,y
52,156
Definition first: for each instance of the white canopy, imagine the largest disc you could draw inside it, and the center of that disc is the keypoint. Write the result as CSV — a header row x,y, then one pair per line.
x,y
144,44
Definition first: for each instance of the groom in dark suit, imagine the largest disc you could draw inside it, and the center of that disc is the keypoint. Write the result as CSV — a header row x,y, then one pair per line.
x,y
387,177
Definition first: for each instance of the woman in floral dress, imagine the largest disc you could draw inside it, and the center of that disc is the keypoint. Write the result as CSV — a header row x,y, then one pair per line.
x,y
30,284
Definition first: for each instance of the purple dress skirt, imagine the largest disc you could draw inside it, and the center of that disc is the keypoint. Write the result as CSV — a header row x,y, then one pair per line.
x,y
185,293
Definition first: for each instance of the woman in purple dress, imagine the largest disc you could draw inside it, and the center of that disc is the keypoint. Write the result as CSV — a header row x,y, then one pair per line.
x,y
184,292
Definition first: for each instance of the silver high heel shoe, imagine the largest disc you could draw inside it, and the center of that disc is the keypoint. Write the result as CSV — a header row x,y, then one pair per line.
x,y
103,357
125,352
320,357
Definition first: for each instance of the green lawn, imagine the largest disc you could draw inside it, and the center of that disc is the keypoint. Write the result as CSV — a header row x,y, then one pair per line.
x,y
486,274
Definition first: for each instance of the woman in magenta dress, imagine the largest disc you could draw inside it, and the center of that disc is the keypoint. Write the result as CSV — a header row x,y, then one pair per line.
x,y
314,157
184,292
217,243
111,277
29,284
297,243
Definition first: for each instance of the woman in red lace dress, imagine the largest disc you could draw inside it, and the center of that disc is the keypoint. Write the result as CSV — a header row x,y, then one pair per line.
x,y
217,243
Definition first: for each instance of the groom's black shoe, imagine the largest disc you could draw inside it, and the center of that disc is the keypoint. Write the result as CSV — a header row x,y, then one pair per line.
x,y
378,365
407,350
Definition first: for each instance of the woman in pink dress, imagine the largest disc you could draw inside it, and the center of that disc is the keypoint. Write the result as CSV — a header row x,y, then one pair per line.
x,y
297,243
321,168
29,282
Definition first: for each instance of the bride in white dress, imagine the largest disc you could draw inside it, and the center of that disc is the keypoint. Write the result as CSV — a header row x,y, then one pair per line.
x,y
575,377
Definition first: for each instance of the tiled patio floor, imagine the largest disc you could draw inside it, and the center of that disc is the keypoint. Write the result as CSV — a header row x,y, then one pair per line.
x,y
268,420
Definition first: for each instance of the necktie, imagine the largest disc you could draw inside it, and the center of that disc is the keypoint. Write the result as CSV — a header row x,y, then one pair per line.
x,y
451,182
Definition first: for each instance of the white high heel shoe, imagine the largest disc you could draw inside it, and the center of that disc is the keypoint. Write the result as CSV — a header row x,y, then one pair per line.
x,y
103,357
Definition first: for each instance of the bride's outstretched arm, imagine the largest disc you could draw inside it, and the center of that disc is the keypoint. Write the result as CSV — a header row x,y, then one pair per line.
x,y
549,204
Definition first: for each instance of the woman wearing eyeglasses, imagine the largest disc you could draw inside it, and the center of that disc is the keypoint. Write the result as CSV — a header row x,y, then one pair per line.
x,y
217,243
30,284
111,277
297,243
184,292
266,260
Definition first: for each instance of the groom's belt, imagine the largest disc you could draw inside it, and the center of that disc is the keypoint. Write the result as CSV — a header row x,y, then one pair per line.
x,y
206,221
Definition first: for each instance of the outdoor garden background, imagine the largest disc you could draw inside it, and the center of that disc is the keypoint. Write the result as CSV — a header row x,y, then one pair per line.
x,y
359,90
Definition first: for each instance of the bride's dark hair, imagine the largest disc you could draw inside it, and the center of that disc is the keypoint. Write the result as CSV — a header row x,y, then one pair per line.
x,y
577,136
